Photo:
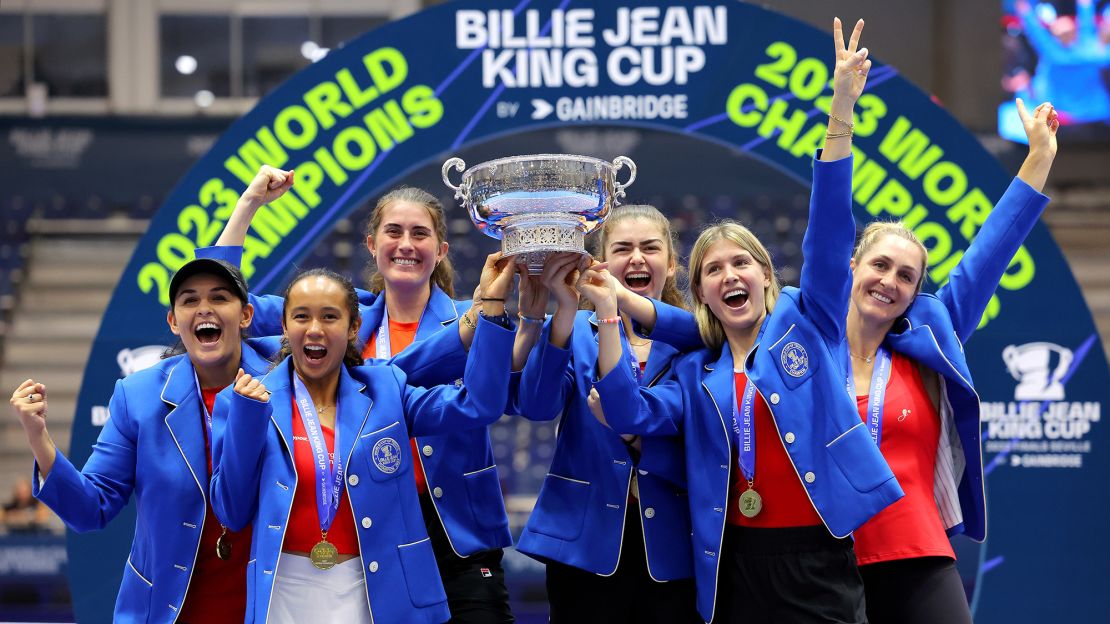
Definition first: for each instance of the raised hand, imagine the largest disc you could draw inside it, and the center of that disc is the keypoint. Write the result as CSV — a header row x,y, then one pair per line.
x,y
1041,129
268,184
496,281
29,405
599,286
559,276
532,295
852,65
251,388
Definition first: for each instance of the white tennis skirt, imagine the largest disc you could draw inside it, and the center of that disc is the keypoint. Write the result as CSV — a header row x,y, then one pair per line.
x,y
304,593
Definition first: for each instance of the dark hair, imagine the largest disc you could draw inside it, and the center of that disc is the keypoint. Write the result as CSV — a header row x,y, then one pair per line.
x,y
444,273
353,355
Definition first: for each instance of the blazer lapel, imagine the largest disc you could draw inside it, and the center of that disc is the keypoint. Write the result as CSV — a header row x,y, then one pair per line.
x,y
371,319
185,420
277,382
354,407
721,385
440,312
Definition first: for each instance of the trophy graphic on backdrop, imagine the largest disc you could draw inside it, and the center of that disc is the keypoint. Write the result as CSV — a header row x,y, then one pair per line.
x,y
541,203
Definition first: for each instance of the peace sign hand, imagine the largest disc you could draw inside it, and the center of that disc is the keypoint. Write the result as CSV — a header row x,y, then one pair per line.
x,y
852,65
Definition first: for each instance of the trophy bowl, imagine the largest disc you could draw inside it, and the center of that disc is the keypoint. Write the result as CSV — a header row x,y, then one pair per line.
x,y
540,203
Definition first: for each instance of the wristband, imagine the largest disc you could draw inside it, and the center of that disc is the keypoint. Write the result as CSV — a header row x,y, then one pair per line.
x,y
606,321
529,319
501,299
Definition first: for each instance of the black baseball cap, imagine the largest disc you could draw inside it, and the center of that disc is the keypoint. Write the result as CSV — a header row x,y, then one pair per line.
x,y
211,266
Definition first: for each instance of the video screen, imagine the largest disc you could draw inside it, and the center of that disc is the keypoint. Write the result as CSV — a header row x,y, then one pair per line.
x,y
1057,51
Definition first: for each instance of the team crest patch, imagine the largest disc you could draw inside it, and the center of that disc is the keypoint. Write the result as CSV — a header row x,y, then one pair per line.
x,y
387,455
795,359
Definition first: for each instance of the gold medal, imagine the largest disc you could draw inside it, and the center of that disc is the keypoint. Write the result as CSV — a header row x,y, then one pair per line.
x,y
324,554
223,545
751,503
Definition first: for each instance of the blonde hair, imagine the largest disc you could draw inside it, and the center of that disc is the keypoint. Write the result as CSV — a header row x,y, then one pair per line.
x,y
710,328
877,230
444,273
671,294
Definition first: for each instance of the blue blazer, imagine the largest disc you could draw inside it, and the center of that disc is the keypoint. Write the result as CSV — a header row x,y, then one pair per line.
x,y
798,366
152,446
933,332
459,465
254,477
579,517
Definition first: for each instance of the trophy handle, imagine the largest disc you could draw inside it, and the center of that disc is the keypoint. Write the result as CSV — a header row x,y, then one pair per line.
x,y
458,165
618,163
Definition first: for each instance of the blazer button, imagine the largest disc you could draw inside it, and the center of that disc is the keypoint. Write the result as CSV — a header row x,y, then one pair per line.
x,y
789,437
373,567
366,523
649,512
774,398
352,479
438,492
427,450
810,477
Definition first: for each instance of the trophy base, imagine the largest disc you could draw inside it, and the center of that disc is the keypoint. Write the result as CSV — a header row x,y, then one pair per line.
x,y
530,241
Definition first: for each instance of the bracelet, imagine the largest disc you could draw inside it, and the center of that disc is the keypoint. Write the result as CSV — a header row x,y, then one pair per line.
x,y
469,322
849,124
501,299
837,135
529,319
615,319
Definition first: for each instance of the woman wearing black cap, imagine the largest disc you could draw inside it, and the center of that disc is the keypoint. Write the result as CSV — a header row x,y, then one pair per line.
x,y
183,565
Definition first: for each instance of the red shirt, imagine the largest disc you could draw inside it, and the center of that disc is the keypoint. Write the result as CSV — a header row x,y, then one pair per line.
x,y
785,501
303,531
401,335
912,526
218,589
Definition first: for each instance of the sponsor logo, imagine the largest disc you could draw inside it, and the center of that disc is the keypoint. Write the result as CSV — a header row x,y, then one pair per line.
x,y
135,360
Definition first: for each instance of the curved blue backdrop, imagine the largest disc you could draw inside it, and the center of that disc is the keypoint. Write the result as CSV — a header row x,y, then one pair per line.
x,y
421,89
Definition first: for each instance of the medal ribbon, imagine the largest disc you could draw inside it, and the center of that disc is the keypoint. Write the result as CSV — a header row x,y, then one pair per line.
x,y
877,399
207,417
382,349
633,361
329,473
743,432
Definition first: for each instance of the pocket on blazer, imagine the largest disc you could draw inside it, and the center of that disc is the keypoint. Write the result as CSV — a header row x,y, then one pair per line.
x,y
133,600
564,507
418,562
386,451
859,459
483,487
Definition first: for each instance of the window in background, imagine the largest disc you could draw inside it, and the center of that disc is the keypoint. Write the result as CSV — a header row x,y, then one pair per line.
x,y
11,55
336,30
195,67
274,48
70,53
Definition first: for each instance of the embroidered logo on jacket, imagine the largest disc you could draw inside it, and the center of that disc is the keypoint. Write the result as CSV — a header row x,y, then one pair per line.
x,y
795,359
387,455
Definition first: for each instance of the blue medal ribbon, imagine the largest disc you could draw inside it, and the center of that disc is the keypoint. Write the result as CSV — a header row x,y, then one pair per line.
x,y
876,401
329,472
207,416
633,361
382,348
743,431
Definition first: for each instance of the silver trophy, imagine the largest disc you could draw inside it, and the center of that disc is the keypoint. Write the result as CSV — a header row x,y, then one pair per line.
x,y
540,203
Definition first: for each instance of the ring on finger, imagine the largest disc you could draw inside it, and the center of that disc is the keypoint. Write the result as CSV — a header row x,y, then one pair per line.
x,y
31,398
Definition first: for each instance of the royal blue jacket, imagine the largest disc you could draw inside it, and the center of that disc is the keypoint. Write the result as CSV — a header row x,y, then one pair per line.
x,y
254,478
798,366
153,446
458,466
933,332
579,517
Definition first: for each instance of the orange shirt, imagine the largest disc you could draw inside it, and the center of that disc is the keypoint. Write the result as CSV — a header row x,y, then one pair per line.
x,y
785,501
401,335
218,589
912,526
303,531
